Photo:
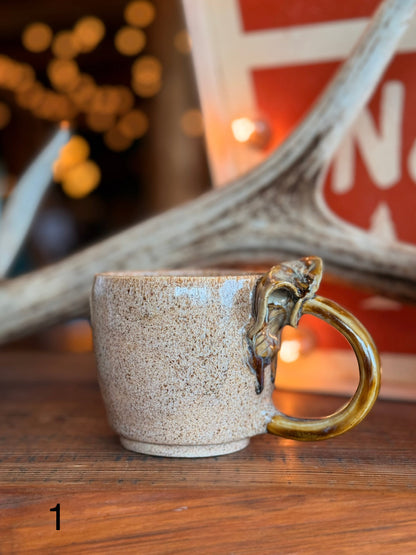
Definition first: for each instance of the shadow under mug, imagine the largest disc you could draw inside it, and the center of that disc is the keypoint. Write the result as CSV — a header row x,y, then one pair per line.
x,y
186,359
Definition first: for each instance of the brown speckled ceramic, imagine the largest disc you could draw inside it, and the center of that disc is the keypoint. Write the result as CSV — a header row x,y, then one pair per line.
x,y
171,359
184,358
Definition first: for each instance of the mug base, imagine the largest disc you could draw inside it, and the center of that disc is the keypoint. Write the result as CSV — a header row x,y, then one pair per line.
x,y
188,451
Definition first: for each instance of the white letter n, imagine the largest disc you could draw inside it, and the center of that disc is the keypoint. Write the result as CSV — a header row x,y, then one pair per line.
x,y
381,152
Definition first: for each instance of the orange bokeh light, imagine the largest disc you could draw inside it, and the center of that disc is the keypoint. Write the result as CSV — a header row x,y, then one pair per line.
x,y
37,37
82,179
140,13
129,41
89,31
243,129
134,124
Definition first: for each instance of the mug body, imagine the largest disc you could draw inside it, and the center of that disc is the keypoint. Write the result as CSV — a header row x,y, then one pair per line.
x,y
172,359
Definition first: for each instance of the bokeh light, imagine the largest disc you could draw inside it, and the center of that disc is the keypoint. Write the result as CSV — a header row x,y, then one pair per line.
x,y
82,179
146,89
147,70
27,77
140,13
77,336
65,45
31,97
146,76
256,132
182,42
73,153
54,107
125,100
5,63
14,75
89,31
134,124
37,37
105,100
243,128
290,350
83,92
11,75
129,41
63,74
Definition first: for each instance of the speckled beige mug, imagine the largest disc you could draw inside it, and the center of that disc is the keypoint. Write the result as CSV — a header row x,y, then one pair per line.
x,y
186,359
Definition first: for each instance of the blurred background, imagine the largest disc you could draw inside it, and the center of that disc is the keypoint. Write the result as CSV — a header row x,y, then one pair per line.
x,y
121,73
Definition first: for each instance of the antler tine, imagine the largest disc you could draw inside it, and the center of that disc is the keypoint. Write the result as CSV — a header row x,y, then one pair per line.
x,y
25,199
272,212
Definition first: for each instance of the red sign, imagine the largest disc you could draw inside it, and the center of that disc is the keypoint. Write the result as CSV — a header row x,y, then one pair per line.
x,y
258,15
372,181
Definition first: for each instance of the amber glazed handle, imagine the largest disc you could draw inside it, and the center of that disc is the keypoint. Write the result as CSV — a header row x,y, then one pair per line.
x,y
370,376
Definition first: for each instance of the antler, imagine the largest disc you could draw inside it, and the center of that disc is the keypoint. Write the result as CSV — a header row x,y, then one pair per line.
x,y
25,199
273,212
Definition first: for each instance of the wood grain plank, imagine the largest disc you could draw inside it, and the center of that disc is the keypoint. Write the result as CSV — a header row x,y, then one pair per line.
x,y
265,520
355,493
54,431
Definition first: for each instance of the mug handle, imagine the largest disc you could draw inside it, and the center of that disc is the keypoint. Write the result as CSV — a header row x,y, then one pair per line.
x,y
308,429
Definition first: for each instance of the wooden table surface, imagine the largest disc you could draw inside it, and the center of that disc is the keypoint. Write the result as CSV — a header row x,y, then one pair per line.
x,y
352,494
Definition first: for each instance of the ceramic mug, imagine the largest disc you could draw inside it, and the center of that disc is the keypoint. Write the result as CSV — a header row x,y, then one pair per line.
x,y
186,359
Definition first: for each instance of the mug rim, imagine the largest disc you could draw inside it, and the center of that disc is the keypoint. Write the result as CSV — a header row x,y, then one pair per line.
x,y
181,273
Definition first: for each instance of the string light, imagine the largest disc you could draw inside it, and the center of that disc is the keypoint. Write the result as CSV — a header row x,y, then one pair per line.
x,y
242,129
105,100
253,132
89,31
78,175
46,109
54,107
13,75
147,70
31,97
290,350
146,90
82,179
37,37
73,153
129,41
125,100
140,13
146,76
133,124
83,92
27,79
63,74
73,92
296,342
65,45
